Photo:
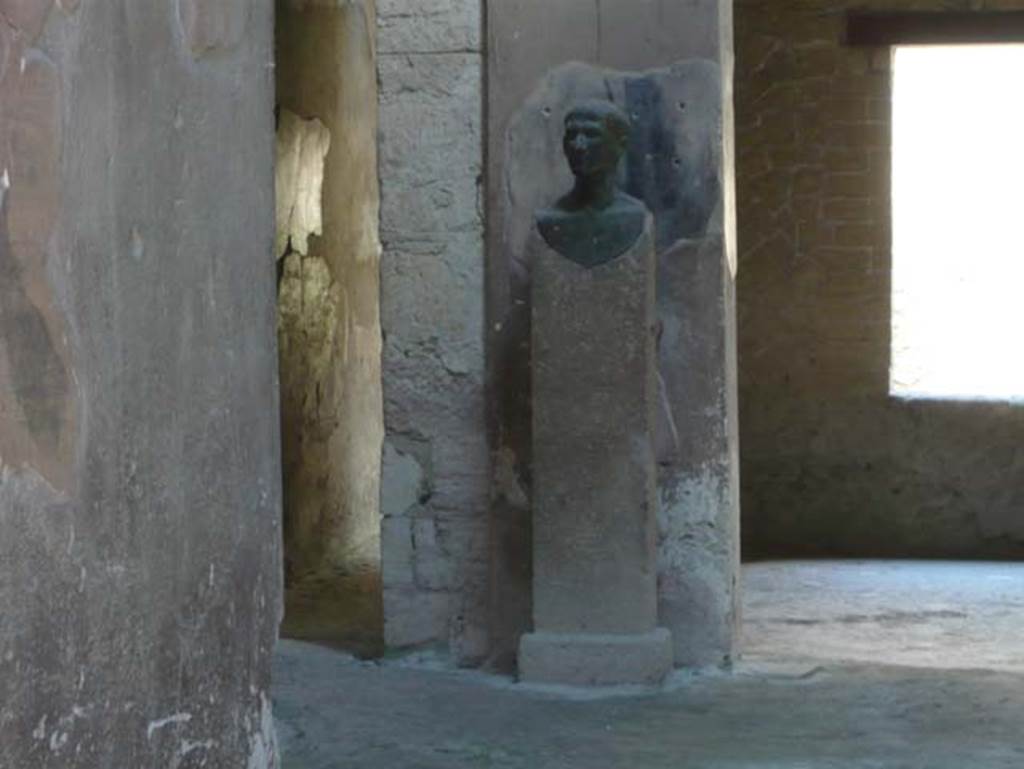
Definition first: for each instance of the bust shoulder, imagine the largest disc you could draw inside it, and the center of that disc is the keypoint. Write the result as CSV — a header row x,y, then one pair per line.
x,y
592,237
628,205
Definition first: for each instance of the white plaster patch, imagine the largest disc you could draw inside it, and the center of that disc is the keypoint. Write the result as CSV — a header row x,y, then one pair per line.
x,y
5,184
302,147
263,739
57,741
177,718
186,748
39,732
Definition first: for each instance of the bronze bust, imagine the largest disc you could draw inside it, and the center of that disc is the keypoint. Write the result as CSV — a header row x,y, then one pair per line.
x,y
595,222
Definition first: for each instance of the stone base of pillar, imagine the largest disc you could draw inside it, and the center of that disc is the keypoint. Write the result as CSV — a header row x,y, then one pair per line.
x,y
583,659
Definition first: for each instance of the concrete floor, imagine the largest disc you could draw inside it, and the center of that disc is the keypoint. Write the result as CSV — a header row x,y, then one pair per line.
x,y
874,665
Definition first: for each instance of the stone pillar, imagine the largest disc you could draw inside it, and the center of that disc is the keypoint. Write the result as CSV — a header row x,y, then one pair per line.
x,y
669,64
140,499
434,472
594,386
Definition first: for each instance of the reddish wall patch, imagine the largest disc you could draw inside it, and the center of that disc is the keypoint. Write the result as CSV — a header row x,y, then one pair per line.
x,y
27,17
37,415
213,24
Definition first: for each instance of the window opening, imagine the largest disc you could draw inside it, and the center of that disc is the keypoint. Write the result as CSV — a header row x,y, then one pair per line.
x,y
958,222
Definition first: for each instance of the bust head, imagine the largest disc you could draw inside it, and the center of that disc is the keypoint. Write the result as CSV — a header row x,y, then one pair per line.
x,y
595,222
596,136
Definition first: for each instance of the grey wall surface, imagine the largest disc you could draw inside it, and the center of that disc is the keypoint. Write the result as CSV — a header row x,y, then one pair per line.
x,y
670,64
330,339
434,493
832,465
139,488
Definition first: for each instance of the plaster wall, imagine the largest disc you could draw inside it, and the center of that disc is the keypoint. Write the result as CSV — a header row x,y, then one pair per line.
x,y
435,459
329,331
831,464
139,483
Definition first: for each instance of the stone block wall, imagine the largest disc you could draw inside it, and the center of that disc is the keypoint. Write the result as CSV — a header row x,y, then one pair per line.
x,y
831,465
435,458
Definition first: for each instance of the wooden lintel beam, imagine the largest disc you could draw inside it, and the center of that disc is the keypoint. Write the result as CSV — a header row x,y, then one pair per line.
x,y
881,28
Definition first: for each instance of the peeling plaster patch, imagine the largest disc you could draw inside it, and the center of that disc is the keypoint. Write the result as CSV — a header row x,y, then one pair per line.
x,y
405,482
302,147
459,361
693,572
213,24
692,500
263,739
311,305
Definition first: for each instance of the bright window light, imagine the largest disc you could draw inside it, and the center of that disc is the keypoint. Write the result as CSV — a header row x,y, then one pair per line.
x,y
958,222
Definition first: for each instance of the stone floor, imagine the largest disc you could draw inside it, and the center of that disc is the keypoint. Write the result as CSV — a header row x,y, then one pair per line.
x,y
877,665
920,613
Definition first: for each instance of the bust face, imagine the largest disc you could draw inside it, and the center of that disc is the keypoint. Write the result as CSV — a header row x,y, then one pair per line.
x,y
591,148
595,222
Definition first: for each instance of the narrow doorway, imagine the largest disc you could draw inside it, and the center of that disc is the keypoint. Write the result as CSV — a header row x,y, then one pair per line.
x,y
329,322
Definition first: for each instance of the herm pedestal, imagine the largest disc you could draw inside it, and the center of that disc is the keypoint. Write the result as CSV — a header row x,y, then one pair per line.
x,y
594,399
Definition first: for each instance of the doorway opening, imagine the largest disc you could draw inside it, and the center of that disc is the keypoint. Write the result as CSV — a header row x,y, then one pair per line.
x,y
881,252
329,322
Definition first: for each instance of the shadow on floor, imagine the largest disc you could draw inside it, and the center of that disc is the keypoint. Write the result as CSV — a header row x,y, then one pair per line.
x,y
787,706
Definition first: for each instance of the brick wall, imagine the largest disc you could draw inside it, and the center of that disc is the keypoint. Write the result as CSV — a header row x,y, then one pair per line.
x,y
830,463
